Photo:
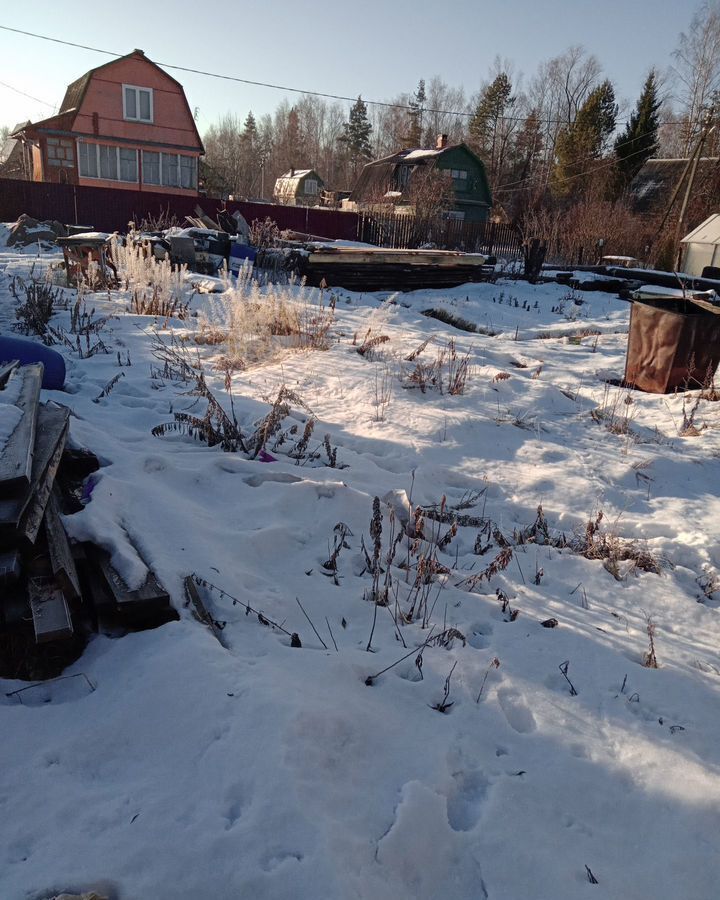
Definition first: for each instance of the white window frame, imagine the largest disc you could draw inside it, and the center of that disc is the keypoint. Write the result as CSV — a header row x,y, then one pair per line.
x,y
137,118
99,177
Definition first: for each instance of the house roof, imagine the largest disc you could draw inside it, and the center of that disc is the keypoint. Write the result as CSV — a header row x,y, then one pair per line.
x,y
708,232
376,176
75,94
10,143
652,187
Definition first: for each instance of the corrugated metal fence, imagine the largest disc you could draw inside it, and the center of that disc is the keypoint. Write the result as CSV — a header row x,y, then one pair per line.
x,y
108,209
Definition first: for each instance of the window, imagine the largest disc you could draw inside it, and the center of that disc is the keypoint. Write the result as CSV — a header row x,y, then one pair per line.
x,y
103,161
311,186
108,162
87,160
151,167
402,176
188,172
128,164
60,152
137,103
170,174
459,174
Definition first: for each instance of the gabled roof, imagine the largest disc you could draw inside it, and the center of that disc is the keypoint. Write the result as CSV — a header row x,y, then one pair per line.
x,y
652,187
75,94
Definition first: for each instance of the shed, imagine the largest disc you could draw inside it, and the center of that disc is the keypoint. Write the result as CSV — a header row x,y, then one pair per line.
x,y
701,248
299,187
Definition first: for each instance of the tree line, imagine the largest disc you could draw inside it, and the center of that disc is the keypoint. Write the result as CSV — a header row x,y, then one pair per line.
x,y
559,136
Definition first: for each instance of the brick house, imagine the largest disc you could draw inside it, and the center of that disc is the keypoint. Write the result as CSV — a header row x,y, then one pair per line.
x,y
125,124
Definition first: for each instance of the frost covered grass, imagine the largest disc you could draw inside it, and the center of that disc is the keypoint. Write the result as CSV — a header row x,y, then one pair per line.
x,y
473,709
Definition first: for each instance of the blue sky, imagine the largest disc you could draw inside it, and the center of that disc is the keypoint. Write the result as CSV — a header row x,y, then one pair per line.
x,y
373,47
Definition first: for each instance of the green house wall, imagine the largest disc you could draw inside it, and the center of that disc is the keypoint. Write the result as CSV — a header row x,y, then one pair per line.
x,y
472,195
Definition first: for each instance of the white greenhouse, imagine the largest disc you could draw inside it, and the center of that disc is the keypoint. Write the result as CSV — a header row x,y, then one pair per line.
x,y
701,248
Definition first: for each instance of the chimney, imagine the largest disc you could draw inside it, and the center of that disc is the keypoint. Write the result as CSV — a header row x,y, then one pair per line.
x,y
292,171
441,142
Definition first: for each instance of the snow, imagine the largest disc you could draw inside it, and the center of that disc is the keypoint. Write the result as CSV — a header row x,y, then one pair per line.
x,y
10,415
421,154
183,768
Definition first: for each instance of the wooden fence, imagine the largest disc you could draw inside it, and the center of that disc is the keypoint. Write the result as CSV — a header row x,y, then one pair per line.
x,y
405,231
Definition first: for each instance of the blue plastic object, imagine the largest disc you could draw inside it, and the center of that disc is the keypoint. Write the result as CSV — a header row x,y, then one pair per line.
x,y
239,255
28,351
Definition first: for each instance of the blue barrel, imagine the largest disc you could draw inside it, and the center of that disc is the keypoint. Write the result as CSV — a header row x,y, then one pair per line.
x,y
28,351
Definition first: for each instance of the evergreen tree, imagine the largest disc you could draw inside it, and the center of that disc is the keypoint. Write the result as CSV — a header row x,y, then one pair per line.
x,y
585,140
488,132
356,136
415,116
250,129
639,141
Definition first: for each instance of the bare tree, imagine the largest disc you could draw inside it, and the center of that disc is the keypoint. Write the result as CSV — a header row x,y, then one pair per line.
x,y
697,69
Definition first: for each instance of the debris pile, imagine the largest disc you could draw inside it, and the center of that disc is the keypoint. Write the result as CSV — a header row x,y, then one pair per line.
x,y
28,231
52,593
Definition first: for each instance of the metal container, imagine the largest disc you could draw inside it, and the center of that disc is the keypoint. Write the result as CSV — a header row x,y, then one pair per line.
x,y
671,344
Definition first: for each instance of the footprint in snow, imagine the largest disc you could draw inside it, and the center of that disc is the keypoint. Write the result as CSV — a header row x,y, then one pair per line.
x,y
280,477
464,803
516,711
480,634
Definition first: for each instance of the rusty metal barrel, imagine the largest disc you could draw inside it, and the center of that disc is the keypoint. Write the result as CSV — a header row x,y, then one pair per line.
x,y
674,342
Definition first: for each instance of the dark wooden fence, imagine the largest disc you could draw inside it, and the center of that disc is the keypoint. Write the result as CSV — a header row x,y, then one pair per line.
x,y
404,231
109,209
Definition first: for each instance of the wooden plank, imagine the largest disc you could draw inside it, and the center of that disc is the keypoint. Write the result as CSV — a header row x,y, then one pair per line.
x,y
16,457
150,592
61,557
21,516
50,613
5,371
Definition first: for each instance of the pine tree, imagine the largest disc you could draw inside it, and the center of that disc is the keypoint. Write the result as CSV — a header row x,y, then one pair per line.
x,y
356,136
250,129
487,132
415,116
639,140
585,140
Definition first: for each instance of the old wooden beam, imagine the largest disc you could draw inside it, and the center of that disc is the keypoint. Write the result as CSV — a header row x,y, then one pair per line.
x,y
16,457
150,591
21,515
5,371
50,613
61,557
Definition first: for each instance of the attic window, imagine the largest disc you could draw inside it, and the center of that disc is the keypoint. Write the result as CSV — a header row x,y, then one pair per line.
x,y
137,103
460,174
311,186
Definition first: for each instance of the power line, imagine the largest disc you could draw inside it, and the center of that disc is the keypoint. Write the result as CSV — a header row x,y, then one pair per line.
x,y
279,87
29,96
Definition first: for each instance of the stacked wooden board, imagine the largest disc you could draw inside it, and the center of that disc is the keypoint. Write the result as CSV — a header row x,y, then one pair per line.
x,y
378,268
52,592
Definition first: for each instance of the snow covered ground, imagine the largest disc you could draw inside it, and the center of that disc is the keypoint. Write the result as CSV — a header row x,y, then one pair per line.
x,y
254,769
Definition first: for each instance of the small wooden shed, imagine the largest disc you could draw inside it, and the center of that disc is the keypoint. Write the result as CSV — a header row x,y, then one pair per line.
x,y
299,187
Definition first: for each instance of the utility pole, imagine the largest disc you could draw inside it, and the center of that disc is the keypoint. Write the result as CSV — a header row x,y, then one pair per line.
x,y
707,128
